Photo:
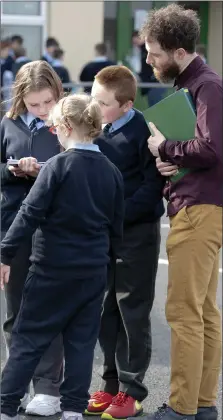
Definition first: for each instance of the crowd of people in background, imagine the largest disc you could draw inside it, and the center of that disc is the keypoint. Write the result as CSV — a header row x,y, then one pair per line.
x,y
14,56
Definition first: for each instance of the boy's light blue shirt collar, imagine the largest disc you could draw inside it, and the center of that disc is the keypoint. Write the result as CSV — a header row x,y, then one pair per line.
x,y
48,57
57,63
84,146
122,120
21,59
100,58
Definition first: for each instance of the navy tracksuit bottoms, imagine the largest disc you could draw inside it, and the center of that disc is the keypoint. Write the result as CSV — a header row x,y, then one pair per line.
x,y
71,306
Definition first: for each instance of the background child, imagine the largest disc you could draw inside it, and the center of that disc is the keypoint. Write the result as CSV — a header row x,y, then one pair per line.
x,y
24,137
125,335
59,67
77,202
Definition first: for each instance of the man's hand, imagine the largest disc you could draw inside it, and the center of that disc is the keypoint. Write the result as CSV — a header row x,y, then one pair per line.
x,y
30,166
16,171
166,168
155,141
5,272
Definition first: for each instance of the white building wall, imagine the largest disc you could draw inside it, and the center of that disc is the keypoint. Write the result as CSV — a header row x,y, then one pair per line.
x,y
78,26
215,36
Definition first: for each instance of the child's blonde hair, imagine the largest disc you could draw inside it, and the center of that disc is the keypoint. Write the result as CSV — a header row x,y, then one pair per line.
x,y
80,113
33,77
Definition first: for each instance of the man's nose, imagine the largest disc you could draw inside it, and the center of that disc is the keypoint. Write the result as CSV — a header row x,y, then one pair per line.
x,y
148,59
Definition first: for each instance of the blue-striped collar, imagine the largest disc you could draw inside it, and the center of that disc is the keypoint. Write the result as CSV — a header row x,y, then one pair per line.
x,y
28,117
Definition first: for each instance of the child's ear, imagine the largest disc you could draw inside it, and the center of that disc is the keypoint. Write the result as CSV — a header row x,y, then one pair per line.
x,y
127,106
67,133
65,130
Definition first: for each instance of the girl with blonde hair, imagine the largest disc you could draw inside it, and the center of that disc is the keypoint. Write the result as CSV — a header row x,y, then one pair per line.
x,y
77,206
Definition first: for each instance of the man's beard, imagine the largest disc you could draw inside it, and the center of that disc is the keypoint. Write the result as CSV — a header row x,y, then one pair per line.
x,y
168,73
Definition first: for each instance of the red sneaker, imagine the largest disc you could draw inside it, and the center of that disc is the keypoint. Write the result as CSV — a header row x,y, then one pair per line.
x,y
122,406
98,403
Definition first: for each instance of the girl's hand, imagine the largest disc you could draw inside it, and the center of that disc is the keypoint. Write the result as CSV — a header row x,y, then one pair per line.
x,y
30,166
5,272
166,168
16,171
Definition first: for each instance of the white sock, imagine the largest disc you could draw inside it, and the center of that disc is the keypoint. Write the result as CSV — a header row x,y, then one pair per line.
x,y
72,414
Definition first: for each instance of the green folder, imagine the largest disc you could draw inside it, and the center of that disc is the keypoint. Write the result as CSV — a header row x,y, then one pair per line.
x,y
175,118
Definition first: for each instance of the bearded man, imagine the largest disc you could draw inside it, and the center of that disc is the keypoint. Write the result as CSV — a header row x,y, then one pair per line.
x,y
195,209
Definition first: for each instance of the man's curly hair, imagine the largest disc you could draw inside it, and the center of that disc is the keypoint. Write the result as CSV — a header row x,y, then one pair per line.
x,y
172,27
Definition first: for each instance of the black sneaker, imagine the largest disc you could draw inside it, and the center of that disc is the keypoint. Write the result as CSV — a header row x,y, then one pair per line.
x,y
207,413
166,413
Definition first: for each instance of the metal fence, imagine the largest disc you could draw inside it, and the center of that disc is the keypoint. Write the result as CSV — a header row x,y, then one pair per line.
x,y
139,84
6,95
77,85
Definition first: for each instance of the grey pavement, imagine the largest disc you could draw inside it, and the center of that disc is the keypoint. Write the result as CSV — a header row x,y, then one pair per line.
x,y
157,377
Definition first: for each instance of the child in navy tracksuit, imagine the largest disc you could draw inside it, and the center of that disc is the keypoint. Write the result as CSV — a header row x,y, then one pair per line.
x,y
76,205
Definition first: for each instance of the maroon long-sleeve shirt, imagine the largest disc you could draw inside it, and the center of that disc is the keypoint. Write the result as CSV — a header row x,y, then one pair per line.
x,y
204,153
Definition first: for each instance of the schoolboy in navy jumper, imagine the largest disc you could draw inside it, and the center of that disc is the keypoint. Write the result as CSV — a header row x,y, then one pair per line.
x,y
25,137
78,204
100,61
125,335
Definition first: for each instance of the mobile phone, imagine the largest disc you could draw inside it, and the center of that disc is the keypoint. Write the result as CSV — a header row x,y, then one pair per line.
x,y
15,163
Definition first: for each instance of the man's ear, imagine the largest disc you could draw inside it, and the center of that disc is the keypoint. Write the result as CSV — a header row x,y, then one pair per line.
x,y
180,54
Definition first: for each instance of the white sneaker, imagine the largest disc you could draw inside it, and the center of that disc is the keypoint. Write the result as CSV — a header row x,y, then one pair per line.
x,y
44,405
71,415
24,402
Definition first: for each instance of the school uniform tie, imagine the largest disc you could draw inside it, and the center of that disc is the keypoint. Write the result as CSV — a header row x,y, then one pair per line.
x,y
33,125
107,128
